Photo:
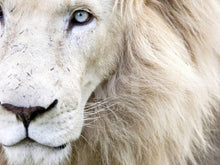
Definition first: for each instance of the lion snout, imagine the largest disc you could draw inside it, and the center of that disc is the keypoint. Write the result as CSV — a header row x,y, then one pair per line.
x,y
26,115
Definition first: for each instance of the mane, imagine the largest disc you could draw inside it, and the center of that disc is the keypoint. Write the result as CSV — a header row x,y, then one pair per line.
x,y
159,105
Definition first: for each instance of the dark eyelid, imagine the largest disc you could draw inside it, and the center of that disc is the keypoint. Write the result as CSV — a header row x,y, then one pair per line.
x,y
1,14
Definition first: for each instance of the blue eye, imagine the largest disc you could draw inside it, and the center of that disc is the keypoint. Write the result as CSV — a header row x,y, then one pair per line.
x,y
81,17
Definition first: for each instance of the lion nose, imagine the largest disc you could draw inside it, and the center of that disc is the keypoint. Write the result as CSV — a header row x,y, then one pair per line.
x,y
26,115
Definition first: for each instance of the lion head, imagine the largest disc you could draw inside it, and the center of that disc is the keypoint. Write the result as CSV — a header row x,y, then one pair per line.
x,y
108,82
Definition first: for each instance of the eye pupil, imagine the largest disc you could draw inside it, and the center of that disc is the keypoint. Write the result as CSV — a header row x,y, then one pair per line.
x,y
80,14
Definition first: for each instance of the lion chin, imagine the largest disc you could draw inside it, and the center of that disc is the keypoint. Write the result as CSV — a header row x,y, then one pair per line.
x,y
29,152
109,82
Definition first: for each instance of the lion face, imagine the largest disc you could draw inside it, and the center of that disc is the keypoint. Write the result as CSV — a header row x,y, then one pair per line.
x,y
53,56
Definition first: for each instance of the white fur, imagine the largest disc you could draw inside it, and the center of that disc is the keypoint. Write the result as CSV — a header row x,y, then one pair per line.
x,y
43,62
137,85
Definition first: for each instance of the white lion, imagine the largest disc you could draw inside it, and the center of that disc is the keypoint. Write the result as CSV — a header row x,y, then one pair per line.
x,y
111,82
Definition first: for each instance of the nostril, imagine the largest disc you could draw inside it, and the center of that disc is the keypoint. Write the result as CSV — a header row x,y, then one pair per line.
x,y
54,103
41,111
27,114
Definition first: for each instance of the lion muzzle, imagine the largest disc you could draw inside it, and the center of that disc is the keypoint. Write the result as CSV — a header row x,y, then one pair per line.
x,y
26,115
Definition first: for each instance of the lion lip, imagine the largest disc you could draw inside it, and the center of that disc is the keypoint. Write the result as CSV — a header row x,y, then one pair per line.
x,y
29,141
60,147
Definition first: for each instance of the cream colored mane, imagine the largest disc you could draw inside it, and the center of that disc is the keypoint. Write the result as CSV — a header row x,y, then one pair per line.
x,y
159,106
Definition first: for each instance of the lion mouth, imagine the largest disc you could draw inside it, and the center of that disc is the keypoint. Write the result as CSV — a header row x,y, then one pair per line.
x,y
60,147
30,142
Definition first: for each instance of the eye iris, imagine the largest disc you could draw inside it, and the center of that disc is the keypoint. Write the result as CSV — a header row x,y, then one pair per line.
x,y
81,16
